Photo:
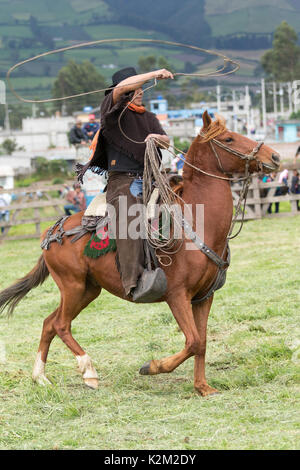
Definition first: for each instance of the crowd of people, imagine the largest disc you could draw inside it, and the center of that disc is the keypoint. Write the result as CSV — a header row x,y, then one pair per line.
x,y
81,136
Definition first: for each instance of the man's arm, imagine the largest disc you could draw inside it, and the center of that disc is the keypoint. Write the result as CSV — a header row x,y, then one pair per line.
x,y
135,82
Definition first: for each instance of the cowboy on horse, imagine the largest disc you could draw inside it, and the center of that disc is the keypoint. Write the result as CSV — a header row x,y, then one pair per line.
x,y
123,158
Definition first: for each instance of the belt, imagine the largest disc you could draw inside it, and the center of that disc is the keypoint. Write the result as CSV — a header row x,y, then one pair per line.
x,y
132,174
135,175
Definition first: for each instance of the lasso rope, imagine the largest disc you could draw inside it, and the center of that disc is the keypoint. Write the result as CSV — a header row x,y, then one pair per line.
x,y
152,171
216,73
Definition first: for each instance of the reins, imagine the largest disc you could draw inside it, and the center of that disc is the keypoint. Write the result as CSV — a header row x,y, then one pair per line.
x,y
241,205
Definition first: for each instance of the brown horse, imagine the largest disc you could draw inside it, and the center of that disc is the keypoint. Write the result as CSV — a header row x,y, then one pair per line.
x,y
80,279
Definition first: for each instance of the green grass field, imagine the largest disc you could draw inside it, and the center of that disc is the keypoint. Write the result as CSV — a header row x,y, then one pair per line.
x,y
252,358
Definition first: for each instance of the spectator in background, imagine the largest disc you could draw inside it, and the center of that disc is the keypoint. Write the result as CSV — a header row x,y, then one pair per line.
x,y
77,201
77,136
80,141
90,128
280,190
295,186
179,162
264,192
5,200
283,177
297,154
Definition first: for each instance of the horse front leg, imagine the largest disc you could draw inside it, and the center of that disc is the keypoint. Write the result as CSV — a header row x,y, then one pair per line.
x,y
182,311
201,312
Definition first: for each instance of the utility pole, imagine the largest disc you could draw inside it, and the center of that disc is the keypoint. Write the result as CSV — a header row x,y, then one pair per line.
x,y
290,93
247,106
275,99
34,110
281,99
6,120
219,98
263,103
235,111
295,95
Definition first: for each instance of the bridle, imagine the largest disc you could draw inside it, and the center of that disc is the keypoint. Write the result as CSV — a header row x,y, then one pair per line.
x,y
243,156
248,157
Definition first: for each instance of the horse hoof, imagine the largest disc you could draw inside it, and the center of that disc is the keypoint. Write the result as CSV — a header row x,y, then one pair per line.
x,y
92,383
42,380
145,369
207,391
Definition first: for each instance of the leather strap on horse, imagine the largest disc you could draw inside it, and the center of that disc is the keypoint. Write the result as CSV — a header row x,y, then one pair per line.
x,y
220,278
202,246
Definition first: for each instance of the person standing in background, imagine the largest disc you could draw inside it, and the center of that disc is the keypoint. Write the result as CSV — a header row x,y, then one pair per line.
x,y
90,128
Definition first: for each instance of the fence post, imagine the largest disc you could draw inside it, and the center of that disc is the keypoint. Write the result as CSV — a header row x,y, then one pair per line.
x,y
256,195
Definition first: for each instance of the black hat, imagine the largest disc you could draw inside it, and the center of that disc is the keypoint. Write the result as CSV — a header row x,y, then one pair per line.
x,y
120,76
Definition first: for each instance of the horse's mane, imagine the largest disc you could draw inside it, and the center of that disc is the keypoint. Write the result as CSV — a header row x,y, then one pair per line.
x,y
216,128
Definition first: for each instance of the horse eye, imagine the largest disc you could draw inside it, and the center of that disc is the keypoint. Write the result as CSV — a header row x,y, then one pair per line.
x,y
229,139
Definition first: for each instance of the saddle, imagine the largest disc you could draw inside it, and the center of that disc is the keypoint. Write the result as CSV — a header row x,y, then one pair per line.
x,y
152,284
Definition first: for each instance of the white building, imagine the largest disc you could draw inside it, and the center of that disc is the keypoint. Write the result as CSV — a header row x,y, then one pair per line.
x,y
38,135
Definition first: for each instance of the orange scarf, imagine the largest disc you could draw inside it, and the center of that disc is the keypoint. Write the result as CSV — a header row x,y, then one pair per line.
x,y
137,109
132,107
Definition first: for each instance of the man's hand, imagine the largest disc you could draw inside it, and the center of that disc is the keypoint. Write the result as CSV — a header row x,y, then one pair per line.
x,y
163,74
161,141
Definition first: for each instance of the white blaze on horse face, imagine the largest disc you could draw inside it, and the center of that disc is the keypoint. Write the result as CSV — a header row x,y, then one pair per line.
x,y
86,367
38,373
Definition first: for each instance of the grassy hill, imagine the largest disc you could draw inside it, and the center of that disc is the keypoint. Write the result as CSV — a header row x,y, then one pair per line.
x,y
28,28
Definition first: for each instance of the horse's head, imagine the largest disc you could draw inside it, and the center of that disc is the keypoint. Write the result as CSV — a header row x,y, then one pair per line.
x,y
234,151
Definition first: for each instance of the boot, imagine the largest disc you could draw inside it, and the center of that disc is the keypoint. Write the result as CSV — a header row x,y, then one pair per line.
x,y
151,286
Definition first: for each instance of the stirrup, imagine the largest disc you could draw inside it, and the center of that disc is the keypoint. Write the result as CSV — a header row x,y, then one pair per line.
x,y
151,286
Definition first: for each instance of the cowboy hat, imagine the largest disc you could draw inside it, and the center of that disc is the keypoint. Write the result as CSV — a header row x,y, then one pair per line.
x,y
121,75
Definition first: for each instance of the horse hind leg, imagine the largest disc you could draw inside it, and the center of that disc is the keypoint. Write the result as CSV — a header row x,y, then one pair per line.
x,y
74,300
48,333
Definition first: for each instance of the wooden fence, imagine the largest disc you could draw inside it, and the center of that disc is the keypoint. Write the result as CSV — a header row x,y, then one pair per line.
x,y
32,205
261,195
35,205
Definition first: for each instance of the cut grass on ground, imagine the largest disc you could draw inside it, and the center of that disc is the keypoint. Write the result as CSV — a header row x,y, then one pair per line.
x,y
252,359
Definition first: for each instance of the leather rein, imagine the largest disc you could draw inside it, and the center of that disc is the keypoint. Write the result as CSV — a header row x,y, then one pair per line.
x,y
222,265
246,179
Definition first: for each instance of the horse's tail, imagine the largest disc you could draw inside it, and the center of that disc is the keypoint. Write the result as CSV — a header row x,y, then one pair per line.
x,y
11,296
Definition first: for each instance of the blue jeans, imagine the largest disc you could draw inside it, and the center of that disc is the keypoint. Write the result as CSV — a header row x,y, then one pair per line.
x,y
136,187
4,216
70,207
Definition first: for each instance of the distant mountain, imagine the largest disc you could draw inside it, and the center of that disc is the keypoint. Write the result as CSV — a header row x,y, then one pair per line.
x,y
33,26
194,21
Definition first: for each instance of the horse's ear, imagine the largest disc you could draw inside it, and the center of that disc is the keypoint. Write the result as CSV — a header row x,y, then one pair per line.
x,y
206,119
